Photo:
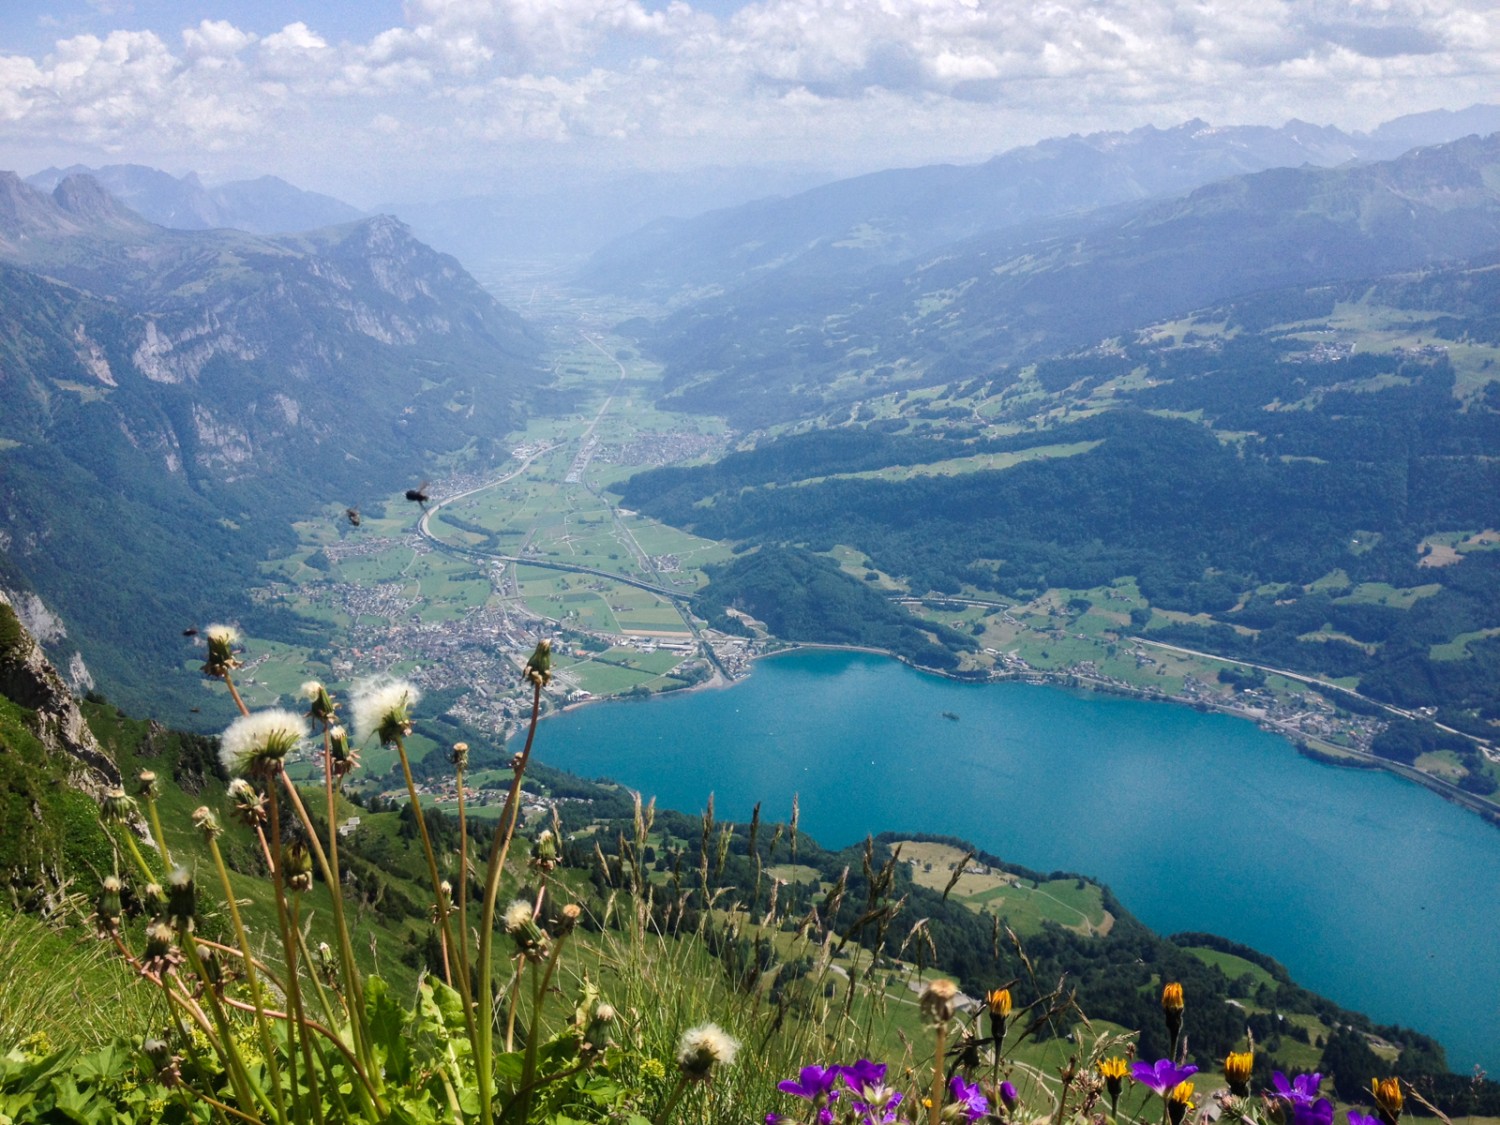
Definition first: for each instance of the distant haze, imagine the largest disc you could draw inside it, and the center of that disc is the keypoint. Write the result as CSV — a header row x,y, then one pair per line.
x,y
441,99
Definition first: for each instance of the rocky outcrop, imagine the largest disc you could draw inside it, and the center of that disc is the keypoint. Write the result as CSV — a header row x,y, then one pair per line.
x,y
28,678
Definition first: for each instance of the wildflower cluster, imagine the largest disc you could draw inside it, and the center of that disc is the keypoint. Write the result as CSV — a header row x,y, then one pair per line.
x,y
859,1095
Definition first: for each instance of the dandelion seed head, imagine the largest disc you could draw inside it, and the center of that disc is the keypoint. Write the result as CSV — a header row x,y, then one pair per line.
x,y
381,706
704,1047
517,915
222,634
254,742
310,690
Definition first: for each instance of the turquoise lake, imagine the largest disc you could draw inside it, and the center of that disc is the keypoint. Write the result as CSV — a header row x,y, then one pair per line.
x,y
1368,888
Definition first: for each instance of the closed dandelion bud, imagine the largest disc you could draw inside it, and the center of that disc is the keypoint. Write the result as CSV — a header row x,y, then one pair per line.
x,y
116,807
1389,1101
154,898
544,851
107,906
220,640
213,968
1172,1005
320,706
567,919
161,954
296,866
168,1067
249,804
206,822
1113,1072
937,1002
703,1048
539,664
599,1036
326,964
145,785
522,928
1237,1068
182,899
342,759
460,755
998,1001
1180,1102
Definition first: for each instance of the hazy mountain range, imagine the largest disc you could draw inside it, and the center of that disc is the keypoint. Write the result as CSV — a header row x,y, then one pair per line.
x,y
267,205
893,215
774,346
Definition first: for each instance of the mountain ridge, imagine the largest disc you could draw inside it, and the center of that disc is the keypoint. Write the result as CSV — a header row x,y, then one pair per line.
x,y
890,215
774,350
170,383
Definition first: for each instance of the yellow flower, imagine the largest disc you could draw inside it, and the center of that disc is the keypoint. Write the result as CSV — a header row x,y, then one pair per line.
x,y
1172,1004
999,1002
1237,1068
1113,1072
1389,1100
1171,998
1180,1102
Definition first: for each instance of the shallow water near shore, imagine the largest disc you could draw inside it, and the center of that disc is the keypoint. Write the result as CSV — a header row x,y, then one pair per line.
x,y
1370,889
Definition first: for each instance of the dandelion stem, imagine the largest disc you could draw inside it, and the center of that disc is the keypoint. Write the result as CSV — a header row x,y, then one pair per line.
x,y
225,1045
251,978
161,837
499,848
289,952
234,692
354,985
534,1030
672,1099
446,927
463,879
934,1110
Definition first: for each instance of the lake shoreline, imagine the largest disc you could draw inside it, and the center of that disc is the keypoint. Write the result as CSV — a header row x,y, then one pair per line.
x,y
1315,749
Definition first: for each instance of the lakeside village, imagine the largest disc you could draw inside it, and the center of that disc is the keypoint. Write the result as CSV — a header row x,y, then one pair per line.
x,y
480,655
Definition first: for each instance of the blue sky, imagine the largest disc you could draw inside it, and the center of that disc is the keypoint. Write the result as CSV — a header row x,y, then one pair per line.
x,y
383,99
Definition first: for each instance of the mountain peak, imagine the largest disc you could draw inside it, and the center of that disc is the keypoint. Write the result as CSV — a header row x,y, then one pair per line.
x,y
84,197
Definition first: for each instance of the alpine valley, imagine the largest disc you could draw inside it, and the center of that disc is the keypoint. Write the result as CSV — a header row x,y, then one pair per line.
x,y
1203,416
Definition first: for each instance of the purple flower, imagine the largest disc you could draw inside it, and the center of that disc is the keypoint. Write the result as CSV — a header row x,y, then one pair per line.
x,y
975,1104
1300,1091
1008,1096
1357,1118
863,1075
872,1097
1162,1077
816,1086
1318,1112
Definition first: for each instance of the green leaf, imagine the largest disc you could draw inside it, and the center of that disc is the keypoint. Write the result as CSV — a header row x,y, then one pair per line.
x,y
388,1027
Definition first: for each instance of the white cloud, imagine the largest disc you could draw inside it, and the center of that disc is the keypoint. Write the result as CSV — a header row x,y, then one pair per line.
x,y
466,83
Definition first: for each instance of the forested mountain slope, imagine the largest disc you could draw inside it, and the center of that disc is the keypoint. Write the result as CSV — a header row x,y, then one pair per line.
x,y
171,399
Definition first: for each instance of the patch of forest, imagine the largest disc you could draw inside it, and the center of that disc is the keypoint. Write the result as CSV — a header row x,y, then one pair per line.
x,y
1301,467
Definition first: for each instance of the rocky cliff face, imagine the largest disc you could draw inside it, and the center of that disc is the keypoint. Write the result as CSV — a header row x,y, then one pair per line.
x,y
28,678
